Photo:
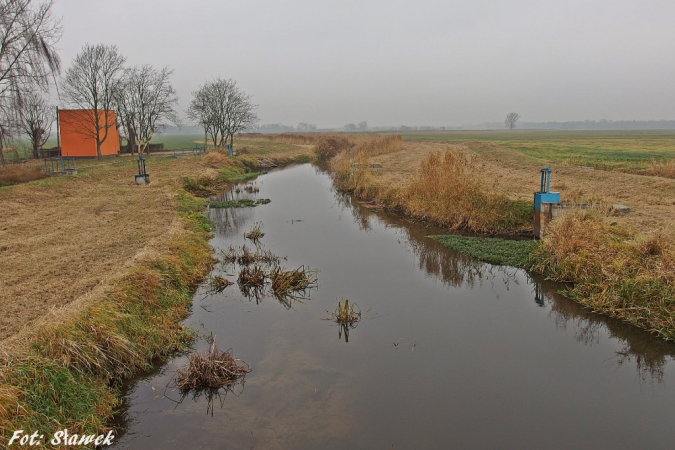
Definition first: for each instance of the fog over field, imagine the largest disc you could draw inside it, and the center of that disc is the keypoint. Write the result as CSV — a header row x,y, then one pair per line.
x,y
438,63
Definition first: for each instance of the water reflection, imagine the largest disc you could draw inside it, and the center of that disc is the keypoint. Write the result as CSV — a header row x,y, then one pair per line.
x,y
213,396
230,220
649,354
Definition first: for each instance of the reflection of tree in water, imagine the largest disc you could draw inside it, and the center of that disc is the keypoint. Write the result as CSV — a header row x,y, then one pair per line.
x,y
228,220
649,353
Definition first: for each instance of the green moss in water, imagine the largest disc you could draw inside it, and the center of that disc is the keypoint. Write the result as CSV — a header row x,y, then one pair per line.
x,y
497,251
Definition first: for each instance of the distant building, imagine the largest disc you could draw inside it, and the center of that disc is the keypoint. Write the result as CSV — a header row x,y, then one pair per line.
x,y
78,135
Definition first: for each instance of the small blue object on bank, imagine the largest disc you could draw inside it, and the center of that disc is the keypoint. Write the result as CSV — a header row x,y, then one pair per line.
x,y
544,194
230,152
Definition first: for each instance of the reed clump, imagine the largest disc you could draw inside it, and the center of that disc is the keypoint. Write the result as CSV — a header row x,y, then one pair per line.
x,y
346,313
20,173
665,169
251,276
615,270
215,369
219,284
255,234
329,146
290,283
448,190
218,159
243,256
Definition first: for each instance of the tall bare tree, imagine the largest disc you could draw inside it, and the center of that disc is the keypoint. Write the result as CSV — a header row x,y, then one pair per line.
x,y
223,110
91,85
511,119
28,35
37,117
146,103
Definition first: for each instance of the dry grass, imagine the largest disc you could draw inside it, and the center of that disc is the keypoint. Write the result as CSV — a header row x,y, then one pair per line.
x,y
215,369
446,189
665,169
255,233
64,237
348,314
218,159
450,191
287,284
615,270
329,146
21,173
287,138
251,276
219,284
243,256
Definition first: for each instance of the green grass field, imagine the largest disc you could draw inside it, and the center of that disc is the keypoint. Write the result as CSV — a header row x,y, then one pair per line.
x,y
619,150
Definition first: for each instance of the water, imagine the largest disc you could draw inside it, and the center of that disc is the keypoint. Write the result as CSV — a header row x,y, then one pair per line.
x,y
451,353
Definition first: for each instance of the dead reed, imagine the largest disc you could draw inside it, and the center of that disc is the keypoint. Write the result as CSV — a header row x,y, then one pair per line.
x,y
219,284
614,269
329,146
346,314
256,232
215,369
292,283
243,256
665,169
20,173
251,276
449,190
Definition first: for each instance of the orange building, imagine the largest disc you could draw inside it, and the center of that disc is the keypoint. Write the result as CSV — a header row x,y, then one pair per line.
x,y
78,133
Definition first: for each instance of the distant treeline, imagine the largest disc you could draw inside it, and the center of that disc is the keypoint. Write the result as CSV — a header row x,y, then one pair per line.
x,y
602,125
571,125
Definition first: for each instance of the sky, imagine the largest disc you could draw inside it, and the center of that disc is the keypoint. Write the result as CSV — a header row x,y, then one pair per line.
x,y
390,63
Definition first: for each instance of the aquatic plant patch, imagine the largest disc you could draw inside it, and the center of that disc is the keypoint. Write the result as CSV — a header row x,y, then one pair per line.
x,y
240,203
504,252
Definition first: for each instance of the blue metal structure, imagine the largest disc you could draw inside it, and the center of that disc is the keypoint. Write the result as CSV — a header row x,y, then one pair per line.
x,y
60,165
545,195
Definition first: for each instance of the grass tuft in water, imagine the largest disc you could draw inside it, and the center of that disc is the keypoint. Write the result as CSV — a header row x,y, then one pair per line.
x,y
291,283
256,232
215,369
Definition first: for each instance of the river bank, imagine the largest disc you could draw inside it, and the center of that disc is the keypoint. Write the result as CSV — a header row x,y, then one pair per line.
x,y
97,274
449,349
622,266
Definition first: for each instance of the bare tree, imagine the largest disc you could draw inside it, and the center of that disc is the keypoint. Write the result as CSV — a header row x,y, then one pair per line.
x,y
37,117
91,84
223,110
511,119
28,34
146,103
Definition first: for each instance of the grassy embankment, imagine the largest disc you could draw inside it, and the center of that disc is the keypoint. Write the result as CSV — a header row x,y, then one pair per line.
x,y
97,274
622,267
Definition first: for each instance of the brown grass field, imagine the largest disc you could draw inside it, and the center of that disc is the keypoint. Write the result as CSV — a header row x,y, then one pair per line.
x,y
505,171
64,238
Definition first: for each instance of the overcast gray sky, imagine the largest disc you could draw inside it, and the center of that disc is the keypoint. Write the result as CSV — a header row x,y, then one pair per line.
x,y
428,62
